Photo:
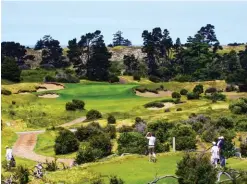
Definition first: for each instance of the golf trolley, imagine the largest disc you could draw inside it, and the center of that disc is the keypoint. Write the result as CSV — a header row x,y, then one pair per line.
x,y
37,172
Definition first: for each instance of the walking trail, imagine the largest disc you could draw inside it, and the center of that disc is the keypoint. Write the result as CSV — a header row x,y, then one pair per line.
x,y
25,144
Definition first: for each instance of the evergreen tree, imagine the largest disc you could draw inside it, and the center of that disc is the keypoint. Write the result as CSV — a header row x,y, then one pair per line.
x,y
118,40
10,70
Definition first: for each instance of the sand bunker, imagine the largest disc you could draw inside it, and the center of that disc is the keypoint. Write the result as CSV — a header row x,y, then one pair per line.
x,y
151,95
166,106
24,93
50,86
49,96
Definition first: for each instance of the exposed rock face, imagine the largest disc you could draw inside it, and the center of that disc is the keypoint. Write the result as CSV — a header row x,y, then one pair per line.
x,y
117,54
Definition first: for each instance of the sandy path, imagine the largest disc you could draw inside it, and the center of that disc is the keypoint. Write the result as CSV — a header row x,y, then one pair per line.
x,y
25,144
151,95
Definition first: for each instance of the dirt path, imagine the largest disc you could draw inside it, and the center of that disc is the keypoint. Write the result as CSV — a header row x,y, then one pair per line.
x,y
25,144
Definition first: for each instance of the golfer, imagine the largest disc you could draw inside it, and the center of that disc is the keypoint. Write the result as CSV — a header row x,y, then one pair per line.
x,y
151,144
215,154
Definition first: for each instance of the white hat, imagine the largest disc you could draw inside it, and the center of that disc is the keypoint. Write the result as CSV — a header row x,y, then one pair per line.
x,y
214,143
222,137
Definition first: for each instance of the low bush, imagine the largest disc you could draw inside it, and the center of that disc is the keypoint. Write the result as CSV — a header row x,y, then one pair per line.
x,y
183,78
49,78
113,78
167,110
183,92
179,109
198,89
154,79
176,95
101,142
230,88
241,125
136,77
111,119
132,142
13,102
111,131
70,106
93,114
66,142
192,96
116,180
152,91
225,122
5,92
51,166
85,155
79,104
243,149
239,106
22,174
140,127
211,90
154,104
162,87
125,128
83,133
141,89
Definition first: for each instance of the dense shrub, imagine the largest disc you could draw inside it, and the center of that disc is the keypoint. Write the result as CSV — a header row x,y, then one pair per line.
x,y
183,92
167,110
22,174
111,131
113,78
116,180
140,127
49,78
196,169
101,142
93,114
192,96
161,87
51,166
239,106
141,89
217,97
136,77
183,78
241,125
154,79
154,104
185,137
211,90
13,102
225,122
230,88
179,109
84,133
176,95
198,89
85,154
160,129
66,142
152,91
5,92
10,69
111,119
79,104
125,128
243,149
70,106
132,142
210,134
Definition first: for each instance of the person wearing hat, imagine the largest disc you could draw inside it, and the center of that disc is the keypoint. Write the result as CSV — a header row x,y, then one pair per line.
x,y
9,155
215,154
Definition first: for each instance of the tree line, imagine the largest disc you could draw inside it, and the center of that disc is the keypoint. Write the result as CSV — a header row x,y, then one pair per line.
x,y
197,59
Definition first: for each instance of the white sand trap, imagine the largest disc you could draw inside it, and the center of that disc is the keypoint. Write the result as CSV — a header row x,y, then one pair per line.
x,y
151,95
166,106
48,86
49,96
24,93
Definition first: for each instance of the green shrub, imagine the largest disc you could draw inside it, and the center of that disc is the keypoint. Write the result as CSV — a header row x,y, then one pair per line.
x,y
218,97
136,77
179,109
239,106
51,166
176,95
185,137
225,122
141,89
167,110
70,106
93,114
183,78
198,89
211,90
161,87
183,92
210,134
125,128
243,149
101,142
154,79
192,96
111,131
85,155
196,169
241,125
5,92
66,142
10,69
132,142
79,104
113,78
154,104
111,119
13,102
152,91
230,88
84,133
115,180
22,174
49,78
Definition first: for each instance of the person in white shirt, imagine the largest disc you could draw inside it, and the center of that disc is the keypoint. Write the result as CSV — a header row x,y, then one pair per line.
x,y
215,154
151,144
9,156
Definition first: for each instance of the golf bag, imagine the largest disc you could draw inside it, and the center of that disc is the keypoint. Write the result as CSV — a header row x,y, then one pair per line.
x,y
12,162
38,173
